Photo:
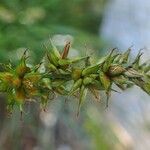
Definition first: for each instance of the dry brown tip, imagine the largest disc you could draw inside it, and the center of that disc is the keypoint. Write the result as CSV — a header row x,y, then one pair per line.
x,y
66,50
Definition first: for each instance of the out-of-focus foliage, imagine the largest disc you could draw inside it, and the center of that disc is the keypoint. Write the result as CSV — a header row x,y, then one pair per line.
x,y
83,14
28,23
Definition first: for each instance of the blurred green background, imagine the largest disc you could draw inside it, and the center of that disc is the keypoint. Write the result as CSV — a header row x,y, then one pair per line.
x,y
29,24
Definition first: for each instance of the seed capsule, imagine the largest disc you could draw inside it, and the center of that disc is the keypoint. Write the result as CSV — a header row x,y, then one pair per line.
x,y
61,90
109,59
33,77
76,73
64,72
94,76
87,80
120,79
104,80
115,70
54,51
97,85
57,82
124,57
90,70
46,83
76,86
131,73
145,85
54,55
136,62
64,62
51,67
53,59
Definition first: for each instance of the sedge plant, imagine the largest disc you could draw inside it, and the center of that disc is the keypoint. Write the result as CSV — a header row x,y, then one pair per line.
x,y
23,83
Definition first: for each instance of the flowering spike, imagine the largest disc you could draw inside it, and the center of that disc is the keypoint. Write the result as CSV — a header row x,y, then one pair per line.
x,y
65,76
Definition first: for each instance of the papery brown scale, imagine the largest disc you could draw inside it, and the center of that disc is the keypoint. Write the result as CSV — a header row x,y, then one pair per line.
x,y
66,50
115,70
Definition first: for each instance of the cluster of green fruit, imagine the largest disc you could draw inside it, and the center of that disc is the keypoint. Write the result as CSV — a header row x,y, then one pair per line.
x,y
26,83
